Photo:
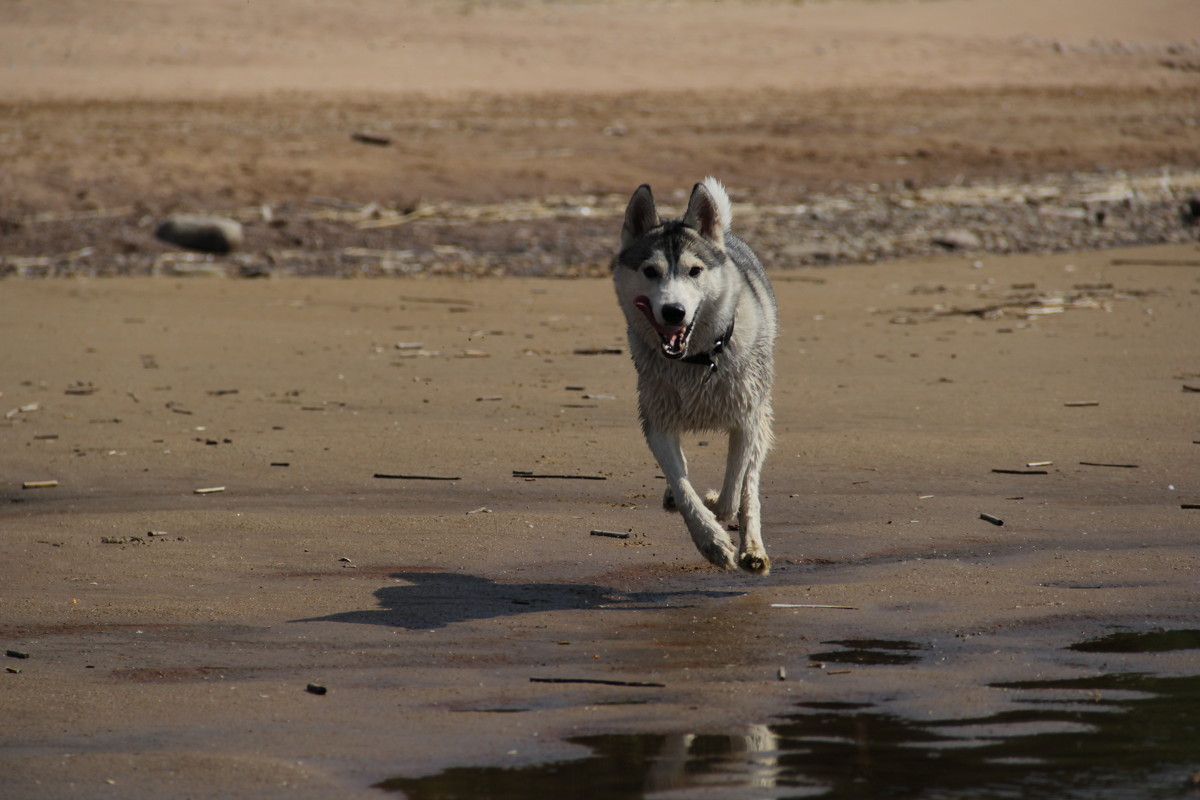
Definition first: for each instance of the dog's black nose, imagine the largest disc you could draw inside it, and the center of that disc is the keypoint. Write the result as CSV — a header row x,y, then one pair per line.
x,y
673,314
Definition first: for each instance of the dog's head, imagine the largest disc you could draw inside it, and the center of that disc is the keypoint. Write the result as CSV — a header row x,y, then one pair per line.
x,y
667,271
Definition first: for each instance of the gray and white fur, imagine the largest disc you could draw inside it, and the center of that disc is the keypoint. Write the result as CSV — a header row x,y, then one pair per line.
x,y
702,324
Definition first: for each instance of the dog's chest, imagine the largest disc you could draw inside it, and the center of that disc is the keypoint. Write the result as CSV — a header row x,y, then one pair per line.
x,y
674,395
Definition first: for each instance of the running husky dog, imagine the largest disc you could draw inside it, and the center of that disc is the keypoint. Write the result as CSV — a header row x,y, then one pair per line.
x,y
701,322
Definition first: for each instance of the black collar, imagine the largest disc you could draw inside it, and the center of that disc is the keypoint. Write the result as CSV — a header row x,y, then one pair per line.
x,y
709,359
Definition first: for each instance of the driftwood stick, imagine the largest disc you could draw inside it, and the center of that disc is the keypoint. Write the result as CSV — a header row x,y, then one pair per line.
x,y
611,534
1154,262
417,477
519,473
600,681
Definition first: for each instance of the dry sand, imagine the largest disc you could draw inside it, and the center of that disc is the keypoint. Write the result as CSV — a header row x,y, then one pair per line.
x,y
163,105
171,635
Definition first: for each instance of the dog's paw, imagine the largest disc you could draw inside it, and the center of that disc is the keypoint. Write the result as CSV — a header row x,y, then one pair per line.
x,y
722,510
757,563
669,500
719,554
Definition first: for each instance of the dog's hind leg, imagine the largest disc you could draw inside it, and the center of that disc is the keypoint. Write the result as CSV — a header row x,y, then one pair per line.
x,y
668,500
707,534
729,501
752,556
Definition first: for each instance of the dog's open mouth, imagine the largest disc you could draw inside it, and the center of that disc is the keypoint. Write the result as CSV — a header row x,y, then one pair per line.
x,y
674,339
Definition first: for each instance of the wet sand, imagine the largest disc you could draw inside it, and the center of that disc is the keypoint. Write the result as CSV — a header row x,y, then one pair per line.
x,y
171,635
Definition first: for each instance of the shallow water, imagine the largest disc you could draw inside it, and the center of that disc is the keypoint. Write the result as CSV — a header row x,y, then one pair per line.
x,y
1156,641
1128,735
873,652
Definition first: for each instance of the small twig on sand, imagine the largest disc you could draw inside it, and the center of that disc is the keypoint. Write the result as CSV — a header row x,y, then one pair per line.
x,y
600,681
448,301
388,222
1021,471
991,519
611,534
76,216
1101,464
363,137
417,477
598,351
1154,262
519,473
813,605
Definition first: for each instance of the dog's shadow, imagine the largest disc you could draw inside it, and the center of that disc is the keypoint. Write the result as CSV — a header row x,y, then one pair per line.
x,y
428,600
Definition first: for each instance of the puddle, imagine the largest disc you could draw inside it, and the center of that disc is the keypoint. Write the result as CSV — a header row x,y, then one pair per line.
x,y
1156,641
1111,736
621,766
870,652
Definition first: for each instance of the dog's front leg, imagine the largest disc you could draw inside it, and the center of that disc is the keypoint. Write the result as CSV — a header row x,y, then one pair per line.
x,y
710,539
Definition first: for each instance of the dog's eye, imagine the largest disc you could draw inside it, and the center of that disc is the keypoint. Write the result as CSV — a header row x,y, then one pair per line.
x,y
650,272
695,271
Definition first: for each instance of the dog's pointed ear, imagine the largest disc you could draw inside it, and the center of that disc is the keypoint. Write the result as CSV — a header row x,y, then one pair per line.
x,y
640,216
708,211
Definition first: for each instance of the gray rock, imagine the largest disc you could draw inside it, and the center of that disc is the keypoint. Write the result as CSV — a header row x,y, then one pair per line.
x,y
957,239
205,234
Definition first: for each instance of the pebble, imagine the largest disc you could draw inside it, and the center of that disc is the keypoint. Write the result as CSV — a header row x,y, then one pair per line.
x,y
957,239
205,234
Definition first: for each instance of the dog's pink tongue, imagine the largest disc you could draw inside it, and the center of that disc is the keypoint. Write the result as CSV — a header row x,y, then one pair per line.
x,y
643,304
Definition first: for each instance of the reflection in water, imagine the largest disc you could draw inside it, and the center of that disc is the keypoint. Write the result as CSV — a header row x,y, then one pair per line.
x,y
626,766
1113,736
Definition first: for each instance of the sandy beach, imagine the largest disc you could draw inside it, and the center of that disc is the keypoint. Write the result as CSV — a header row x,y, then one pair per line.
x,y
312,537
